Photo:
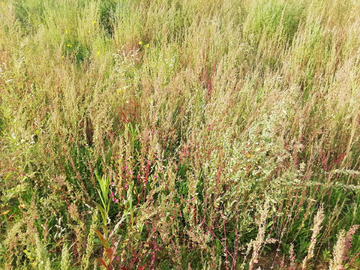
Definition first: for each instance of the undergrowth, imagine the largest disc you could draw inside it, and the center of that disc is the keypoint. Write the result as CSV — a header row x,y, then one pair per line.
x,y
179,134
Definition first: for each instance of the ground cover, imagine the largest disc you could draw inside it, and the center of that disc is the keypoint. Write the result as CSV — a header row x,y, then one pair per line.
x,y
153,134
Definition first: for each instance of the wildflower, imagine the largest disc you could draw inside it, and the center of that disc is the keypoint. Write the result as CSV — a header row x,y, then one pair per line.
x,y
94,22
4,213
140,42
66,31
147,45
62,56
89,31
98,52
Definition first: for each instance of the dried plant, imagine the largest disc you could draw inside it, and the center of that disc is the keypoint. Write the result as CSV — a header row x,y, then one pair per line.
x,y
338,254
179,134
318,219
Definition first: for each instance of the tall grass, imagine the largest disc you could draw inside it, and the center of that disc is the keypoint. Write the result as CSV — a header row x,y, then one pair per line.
x,y
179,134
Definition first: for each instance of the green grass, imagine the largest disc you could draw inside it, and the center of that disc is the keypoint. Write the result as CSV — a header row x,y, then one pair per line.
x,y
179,134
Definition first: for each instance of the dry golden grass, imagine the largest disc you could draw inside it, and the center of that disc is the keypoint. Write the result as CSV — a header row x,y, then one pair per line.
x,y
218,127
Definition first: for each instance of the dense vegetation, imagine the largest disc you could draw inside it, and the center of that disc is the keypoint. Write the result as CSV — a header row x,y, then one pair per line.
x,y
179,134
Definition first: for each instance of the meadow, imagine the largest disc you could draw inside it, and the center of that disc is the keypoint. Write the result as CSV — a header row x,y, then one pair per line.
x,y
179,134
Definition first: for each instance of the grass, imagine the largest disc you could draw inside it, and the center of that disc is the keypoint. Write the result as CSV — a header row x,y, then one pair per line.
x,y
179,134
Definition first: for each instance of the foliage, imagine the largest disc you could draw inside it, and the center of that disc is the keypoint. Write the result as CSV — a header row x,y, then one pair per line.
x,y
179,134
